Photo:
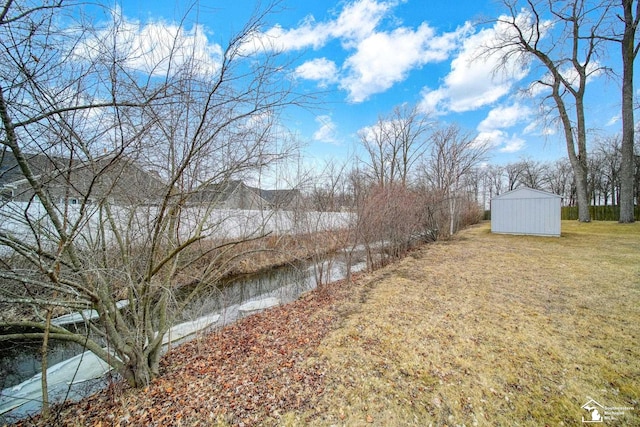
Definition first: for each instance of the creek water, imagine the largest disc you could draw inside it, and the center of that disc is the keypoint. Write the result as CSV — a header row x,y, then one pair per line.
x,y
21,360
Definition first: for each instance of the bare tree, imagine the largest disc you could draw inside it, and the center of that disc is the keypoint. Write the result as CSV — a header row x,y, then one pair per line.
x,y
608,154
596,181
559,177
375,140
94,227
330,209
409,138
495,176
389,219
329,192
533,174
453,156
514,172
394,144
562,37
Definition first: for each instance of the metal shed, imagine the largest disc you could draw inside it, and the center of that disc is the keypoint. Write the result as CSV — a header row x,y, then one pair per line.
x,y
526,211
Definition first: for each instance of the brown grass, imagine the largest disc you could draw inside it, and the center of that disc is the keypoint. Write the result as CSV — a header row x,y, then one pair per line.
x,y
491,330
487,330
249,257
274,251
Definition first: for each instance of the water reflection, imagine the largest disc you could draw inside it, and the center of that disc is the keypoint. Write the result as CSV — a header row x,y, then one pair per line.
x,y
21,360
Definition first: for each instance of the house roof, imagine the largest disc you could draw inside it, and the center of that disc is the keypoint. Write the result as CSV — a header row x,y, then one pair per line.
x,y
124,178
526,193
224,190
10,171
42,164
278,197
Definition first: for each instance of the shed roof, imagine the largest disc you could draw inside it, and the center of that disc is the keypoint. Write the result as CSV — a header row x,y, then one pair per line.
x,y
526,193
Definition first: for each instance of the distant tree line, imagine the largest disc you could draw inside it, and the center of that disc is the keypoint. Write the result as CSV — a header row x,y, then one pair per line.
x,y
436,178
603,179
416,180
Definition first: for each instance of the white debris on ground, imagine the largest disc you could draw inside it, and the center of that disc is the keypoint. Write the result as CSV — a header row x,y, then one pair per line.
x,y
256,306
80,369
84,315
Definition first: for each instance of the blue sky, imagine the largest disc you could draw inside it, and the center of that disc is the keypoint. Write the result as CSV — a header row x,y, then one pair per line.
x,y
368,56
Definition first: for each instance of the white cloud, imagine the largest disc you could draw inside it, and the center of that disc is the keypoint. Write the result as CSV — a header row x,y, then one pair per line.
x,y
327,130
154,48
308,34
513,145
432,99
357,20
492,128
505,117
613,120
320,69
473,81
500,139
385,58
376,59
530,128
549,130
492,138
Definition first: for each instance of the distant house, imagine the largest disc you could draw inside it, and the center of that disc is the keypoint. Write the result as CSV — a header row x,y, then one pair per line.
x,y
122,181
228,195
74,181
237,195
281,199
526,211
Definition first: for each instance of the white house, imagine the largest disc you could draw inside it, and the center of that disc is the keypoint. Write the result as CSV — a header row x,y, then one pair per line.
x,y
526,211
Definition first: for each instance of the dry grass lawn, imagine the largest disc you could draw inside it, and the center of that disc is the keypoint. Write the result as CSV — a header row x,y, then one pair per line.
x,y
491,330
482,330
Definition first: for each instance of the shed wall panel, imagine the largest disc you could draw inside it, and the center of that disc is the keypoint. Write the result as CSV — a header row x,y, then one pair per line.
x,y
526,212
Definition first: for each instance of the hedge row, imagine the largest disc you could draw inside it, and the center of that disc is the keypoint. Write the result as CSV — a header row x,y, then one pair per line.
x,y
598,213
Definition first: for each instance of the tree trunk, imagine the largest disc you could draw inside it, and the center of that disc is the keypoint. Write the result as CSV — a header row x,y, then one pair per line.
x,y
582,191
578,160
452,214
627,159
137,372
44,365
